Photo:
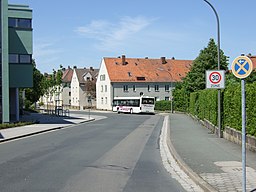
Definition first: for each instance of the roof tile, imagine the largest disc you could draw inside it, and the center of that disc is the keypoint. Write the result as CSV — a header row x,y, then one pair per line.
x,y
152,70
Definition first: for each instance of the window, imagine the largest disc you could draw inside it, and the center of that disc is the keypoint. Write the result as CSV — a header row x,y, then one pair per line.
x,y
101,88
102,77
167,98
69,93
106,88
88,78
141,78
167,88
25,58
13,58
24,23
125,88
106,100
20,23
12,22
102,100
16,58
149,88
134,88
156,88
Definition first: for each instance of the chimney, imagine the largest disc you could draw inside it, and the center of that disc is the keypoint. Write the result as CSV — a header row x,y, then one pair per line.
x,y
163,60
123,60
146,57
173,58
91,69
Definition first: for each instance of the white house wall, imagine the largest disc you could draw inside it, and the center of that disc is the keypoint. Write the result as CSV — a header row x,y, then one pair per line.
x,y
135,89
74,90
103,89
66,94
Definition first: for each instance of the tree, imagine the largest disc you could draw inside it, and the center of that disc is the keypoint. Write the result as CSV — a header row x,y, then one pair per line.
x,y
195,79
207,60
33,94
52,83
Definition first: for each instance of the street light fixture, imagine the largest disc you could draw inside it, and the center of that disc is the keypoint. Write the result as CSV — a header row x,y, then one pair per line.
x,y
219,91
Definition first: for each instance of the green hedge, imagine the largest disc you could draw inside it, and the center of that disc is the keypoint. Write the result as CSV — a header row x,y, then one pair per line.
x,y
232,106
204,105
251,108
180,100
163,105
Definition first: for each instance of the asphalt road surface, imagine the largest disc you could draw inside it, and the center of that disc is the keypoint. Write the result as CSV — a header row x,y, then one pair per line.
x,y
117,153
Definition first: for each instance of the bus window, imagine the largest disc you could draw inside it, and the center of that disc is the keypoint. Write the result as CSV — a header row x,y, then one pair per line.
x,y
147,101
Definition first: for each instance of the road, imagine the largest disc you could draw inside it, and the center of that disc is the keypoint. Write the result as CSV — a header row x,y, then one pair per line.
x,y
117,153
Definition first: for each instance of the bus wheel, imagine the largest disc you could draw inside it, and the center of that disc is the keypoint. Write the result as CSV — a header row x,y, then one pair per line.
x,y
131,111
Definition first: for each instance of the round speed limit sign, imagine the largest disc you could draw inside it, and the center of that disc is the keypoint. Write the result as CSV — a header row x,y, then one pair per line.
x,y
215,79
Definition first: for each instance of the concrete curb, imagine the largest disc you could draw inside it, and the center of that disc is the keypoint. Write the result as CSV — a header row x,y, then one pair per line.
x,y
194,176
43,131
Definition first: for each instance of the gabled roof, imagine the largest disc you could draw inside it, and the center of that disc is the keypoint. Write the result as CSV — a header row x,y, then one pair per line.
x,y
146,70
82,72
67,75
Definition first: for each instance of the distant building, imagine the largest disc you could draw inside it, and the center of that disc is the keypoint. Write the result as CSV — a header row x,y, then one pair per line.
x,y
66,86
253,59
16,57
83,88
124,77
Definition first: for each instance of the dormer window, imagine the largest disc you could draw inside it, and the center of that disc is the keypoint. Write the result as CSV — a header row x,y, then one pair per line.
x,y
141,78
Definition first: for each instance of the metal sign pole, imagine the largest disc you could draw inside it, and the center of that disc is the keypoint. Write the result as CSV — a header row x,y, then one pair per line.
x,y
243,134
242,67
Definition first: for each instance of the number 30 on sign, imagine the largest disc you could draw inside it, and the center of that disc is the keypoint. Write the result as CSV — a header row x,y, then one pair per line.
x,y
215,79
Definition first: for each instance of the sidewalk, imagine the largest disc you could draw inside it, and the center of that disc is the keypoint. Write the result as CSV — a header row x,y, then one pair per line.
x,y
45,123
213,159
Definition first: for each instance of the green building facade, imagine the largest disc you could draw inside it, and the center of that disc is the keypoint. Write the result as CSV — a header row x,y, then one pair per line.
x,y
16,57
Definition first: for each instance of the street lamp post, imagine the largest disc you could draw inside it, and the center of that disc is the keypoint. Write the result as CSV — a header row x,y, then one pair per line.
x,y
219,91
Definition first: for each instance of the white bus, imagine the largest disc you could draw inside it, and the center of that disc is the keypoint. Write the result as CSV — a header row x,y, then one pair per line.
x,y
143,104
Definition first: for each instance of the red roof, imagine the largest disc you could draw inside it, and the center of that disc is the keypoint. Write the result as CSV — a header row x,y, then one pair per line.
x,y
67,75
253,58
146,70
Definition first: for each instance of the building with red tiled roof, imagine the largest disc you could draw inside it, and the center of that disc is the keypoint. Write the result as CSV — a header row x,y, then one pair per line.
x,y
125,77
253,59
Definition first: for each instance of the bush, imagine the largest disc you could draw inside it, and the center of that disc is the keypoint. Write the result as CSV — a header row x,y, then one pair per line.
x,y
163,105
180,100
204,105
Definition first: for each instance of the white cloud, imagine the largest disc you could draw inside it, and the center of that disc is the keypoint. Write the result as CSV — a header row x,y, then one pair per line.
x,y
110,35
44,49
46,55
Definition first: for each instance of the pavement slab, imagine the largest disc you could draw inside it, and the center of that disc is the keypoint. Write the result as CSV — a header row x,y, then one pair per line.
x,y
215,160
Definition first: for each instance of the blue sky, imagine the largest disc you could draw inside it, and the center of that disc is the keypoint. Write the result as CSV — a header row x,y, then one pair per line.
x,y
79,33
